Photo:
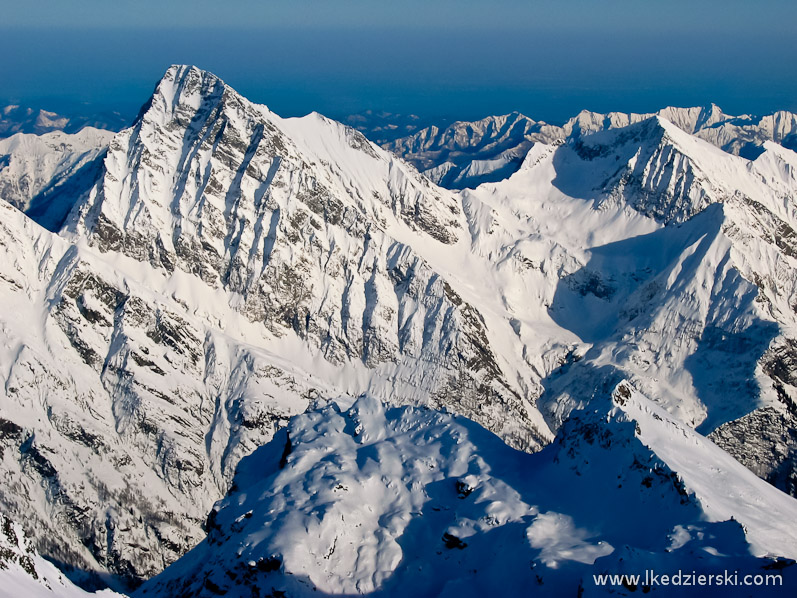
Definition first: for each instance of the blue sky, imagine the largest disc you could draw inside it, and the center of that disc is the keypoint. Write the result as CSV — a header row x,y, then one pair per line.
x,y
444,58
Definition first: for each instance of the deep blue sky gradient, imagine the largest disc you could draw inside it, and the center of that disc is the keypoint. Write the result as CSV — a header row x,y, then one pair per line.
x,y
454,59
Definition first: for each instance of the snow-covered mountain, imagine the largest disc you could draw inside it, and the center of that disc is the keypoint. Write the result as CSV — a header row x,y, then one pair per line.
x,y
225,266
382,502
742,135
215,270
466,154
36,170
693,302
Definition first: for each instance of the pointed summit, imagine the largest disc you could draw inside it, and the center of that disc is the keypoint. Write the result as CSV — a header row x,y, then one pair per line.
x,y
186,92
196,166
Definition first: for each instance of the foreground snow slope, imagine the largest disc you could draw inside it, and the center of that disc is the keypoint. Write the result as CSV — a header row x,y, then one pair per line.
x,y
380,501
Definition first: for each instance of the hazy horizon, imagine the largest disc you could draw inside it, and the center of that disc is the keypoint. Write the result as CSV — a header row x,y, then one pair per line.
x,y
451,60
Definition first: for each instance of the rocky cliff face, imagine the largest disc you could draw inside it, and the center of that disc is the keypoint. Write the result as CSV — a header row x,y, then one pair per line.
x,y
23,572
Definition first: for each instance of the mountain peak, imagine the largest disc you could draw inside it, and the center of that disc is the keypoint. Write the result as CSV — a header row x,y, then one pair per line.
x,y
186,90
180,79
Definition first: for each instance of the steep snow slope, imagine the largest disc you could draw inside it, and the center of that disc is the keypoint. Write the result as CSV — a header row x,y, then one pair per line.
x,y
104,483
376,501
698,313
23,573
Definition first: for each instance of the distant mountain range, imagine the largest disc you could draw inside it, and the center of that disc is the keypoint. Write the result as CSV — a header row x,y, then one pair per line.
x,y
270,353
384,127
466,154
15,118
